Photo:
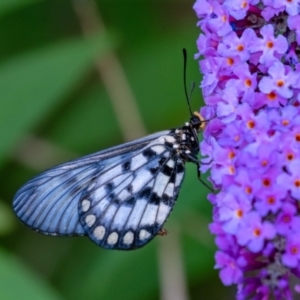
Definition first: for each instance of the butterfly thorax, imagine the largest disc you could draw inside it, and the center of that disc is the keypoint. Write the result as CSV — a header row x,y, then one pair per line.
x,y
187,142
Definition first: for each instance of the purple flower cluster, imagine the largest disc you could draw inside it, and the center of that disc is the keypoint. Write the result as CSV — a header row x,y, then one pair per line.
x,y
249,55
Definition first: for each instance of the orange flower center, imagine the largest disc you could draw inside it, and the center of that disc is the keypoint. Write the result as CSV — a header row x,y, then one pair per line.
x,y
251,124
231,155
285,122
270,44
230,61
294,250
248,82
266,182
297,183
244,4
280,83
256,232
240,47
248,189
272,96
239,213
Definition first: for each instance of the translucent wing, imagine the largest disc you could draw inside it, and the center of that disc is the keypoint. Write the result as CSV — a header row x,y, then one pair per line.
x,y
49,202
119,197
126,208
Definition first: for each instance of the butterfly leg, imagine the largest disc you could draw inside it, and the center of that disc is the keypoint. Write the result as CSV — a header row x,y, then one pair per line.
x,y
206,163
203,182
162,232
195,160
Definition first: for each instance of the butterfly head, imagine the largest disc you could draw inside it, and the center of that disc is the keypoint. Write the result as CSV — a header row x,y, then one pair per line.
x,y
197,121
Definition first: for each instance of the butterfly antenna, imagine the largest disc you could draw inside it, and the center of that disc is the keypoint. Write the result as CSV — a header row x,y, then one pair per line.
x,y
188,96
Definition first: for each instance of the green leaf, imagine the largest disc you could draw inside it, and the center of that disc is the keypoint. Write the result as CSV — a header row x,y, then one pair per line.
x,y
7,219
7,6
18,282
33,84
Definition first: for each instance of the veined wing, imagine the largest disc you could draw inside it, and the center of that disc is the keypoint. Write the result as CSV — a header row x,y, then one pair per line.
x,y
127,206
120,197
49,202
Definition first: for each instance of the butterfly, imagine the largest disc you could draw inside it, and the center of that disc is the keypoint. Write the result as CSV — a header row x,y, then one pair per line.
x,y
119,197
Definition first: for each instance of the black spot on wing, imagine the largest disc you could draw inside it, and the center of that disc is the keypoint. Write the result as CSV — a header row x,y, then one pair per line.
x,y
149,153
154,170
75,190
162,160
166,199
169,144
154,199
145,193
126,166
115,199
109,187
130,201
180,168
161,166
173,177
129,188
71,181
166,170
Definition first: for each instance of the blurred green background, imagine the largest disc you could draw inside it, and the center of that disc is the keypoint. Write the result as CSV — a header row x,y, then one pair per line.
x,y
77,77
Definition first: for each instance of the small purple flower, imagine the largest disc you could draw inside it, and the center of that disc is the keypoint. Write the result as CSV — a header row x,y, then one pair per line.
x,y
245,179
234,46
292,179
231,271
270,10
254,232
232,135
291,7
237,9
287,221
233,210
270,201
272,99
286,119
291,257
280,80
269,45
244,82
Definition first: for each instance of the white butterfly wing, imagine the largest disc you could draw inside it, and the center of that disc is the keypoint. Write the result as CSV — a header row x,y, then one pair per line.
x,y
128,206
119,197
